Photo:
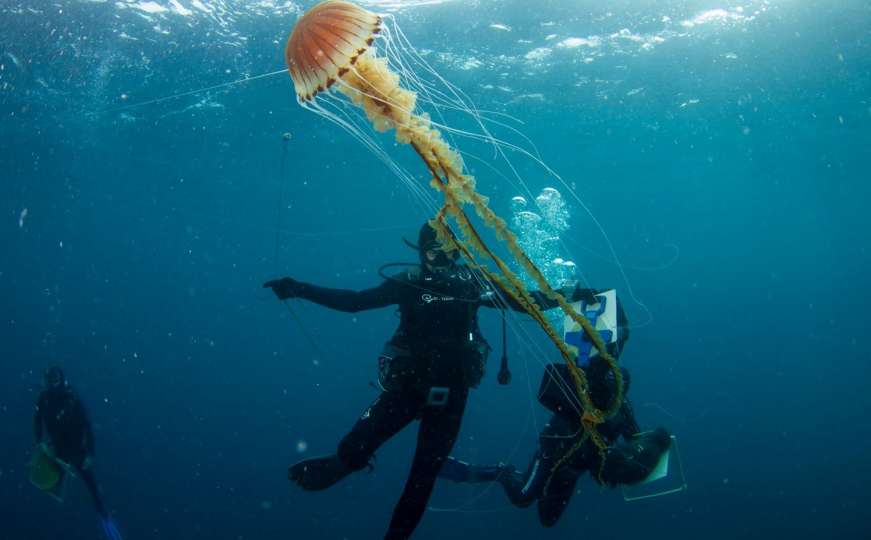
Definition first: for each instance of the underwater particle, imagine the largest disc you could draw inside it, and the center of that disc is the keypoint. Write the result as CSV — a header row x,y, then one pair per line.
x,y
538,54
301,446
745,130
21,218
266,505
124,97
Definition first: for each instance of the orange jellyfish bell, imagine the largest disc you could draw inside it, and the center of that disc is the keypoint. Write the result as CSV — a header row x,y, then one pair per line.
x,y
326,42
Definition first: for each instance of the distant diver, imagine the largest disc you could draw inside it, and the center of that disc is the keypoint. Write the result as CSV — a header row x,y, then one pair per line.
x,y
65,445
425,370
555,468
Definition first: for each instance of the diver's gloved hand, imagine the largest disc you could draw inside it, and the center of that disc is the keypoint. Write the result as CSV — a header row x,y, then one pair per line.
x,y
284,288
632,461
578,293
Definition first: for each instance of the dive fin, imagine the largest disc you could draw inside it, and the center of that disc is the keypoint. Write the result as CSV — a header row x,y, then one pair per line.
x,y
317,474
109,529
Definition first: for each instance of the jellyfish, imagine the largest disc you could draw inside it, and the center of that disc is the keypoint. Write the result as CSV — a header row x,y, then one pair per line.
x,y
343,60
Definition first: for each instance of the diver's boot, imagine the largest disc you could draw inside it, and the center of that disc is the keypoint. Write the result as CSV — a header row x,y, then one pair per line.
x,y
633,461
319,473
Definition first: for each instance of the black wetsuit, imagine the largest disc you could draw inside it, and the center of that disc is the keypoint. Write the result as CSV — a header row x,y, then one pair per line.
x,y
556,440
61,413
438,344
552,482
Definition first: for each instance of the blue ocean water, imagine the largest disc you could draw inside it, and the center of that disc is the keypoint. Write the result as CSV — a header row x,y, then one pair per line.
x,y
720,144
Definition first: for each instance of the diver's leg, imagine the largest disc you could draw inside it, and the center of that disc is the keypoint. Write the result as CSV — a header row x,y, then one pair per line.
x,y
555,498
438,432
461,471
390,413
523,489
554,440
632,461
90,481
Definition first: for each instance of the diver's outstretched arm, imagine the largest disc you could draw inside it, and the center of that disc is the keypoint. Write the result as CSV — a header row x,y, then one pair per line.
x,y
339,299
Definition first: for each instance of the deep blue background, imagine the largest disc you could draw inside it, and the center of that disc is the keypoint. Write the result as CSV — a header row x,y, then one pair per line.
x,y
149,231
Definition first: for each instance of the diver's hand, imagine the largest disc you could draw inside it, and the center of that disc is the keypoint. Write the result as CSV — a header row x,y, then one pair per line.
x,y
284,288
580,293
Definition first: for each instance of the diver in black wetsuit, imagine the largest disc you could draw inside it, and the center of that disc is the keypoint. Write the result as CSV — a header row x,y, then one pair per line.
x,y
61,415
548,479
426,369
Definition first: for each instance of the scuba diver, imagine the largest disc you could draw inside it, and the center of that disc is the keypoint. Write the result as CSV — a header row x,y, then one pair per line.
x,y
69,445
552,473
425,370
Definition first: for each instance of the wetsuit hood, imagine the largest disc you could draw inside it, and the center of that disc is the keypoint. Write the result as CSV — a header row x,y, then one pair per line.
x,y
427,239
54,378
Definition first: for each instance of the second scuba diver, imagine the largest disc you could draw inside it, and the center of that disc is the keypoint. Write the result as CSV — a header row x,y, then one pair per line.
x,y
426,369
552,474
61,415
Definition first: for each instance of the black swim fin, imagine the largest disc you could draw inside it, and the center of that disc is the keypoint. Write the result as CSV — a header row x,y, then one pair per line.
x,y
318,473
